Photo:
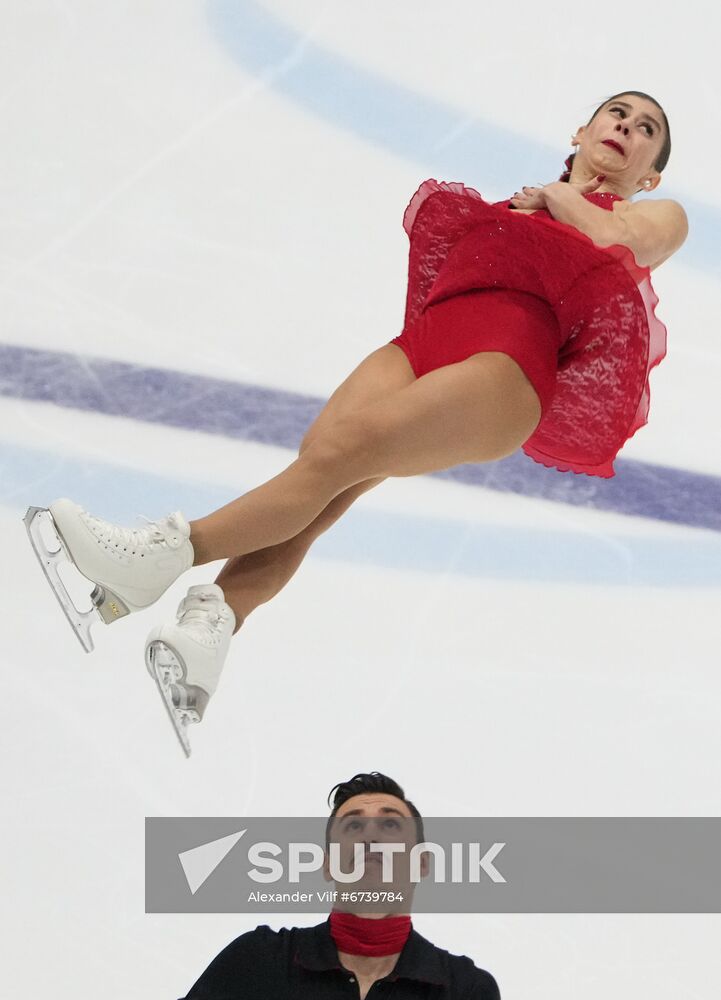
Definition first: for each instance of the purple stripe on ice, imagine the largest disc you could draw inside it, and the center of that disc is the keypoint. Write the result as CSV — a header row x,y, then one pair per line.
x,y
278,417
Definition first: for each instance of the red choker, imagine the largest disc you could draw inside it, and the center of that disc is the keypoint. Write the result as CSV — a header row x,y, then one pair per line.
x,y
361,936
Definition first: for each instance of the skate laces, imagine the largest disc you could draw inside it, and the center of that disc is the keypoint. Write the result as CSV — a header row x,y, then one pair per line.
x,y
200,621
162,530
147,539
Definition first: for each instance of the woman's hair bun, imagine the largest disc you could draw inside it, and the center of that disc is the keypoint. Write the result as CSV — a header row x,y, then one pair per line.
x,y
566,175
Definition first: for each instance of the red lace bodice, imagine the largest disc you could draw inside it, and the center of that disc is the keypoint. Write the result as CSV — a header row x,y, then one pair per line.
x,y
602,299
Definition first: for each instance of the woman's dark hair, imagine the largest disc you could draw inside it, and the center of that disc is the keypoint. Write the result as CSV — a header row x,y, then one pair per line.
x,y
661,159
362,784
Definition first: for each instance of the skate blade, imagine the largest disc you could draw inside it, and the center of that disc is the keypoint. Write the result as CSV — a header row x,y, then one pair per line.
x,y
36,520
168,671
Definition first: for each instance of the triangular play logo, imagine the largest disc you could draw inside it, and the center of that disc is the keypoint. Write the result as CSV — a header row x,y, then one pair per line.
x,y
199,863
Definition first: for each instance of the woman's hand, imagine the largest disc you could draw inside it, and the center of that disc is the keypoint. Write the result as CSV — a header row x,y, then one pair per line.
x,y
652,230
530,197
535,197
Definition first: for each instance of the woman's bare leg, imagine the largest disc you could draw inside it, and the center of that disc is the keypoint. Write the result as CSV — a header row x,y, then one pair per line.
x,y
474,411
254,578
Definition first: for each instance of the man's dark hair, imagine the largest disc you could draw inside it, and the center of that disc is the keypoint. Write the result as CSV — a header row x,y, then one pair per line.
x,y
363,784
663,156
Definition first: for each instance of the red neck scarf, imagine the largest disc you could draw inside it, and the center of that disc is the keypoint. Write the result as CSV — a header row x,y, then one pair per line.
x,y
360,936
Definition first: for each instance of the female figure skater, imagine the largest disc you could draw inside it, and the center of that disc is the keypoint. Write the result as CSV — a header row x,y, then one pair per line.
x,y
528,323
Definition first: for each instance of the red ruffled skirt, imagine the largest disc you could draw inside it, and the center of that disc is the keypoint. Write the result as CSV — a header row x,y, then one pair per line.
x,y
589,337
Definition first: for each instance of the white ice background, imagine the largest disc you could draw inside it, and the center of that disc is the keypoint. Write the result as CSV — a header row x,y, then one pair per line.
x,y
165,202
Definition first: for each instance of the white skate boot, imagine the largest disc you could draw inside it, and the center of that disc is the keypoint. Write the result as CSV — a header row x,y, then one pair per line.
x,y
186,657
130,568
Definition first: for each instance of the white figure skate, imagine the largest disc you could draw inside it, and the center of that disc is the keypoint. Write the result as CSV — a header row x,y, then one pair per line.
x,y
186,657
130,568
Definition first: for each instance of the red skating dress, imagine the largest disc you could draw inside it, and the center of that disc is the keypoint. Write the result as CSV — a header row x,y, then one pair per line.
x,y
577,318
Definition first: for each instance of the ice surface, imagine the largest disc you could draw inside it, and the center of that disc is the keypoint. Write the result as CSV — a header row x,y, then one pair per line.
x,y
201,208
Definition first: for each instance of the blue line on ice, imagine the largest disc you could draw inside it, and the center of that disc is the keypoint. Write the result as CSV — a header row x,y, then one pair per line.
x,y
397,119
396,541
406,123
278,417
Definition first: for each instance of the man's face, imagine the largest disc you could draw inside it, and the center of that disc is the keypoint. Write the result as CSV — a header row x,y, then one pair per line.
x,y
374,818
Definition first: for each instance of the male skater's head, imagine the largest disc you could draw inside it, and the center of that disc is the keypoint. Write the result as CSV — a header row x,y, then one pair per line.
x,y
355,948
372,810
